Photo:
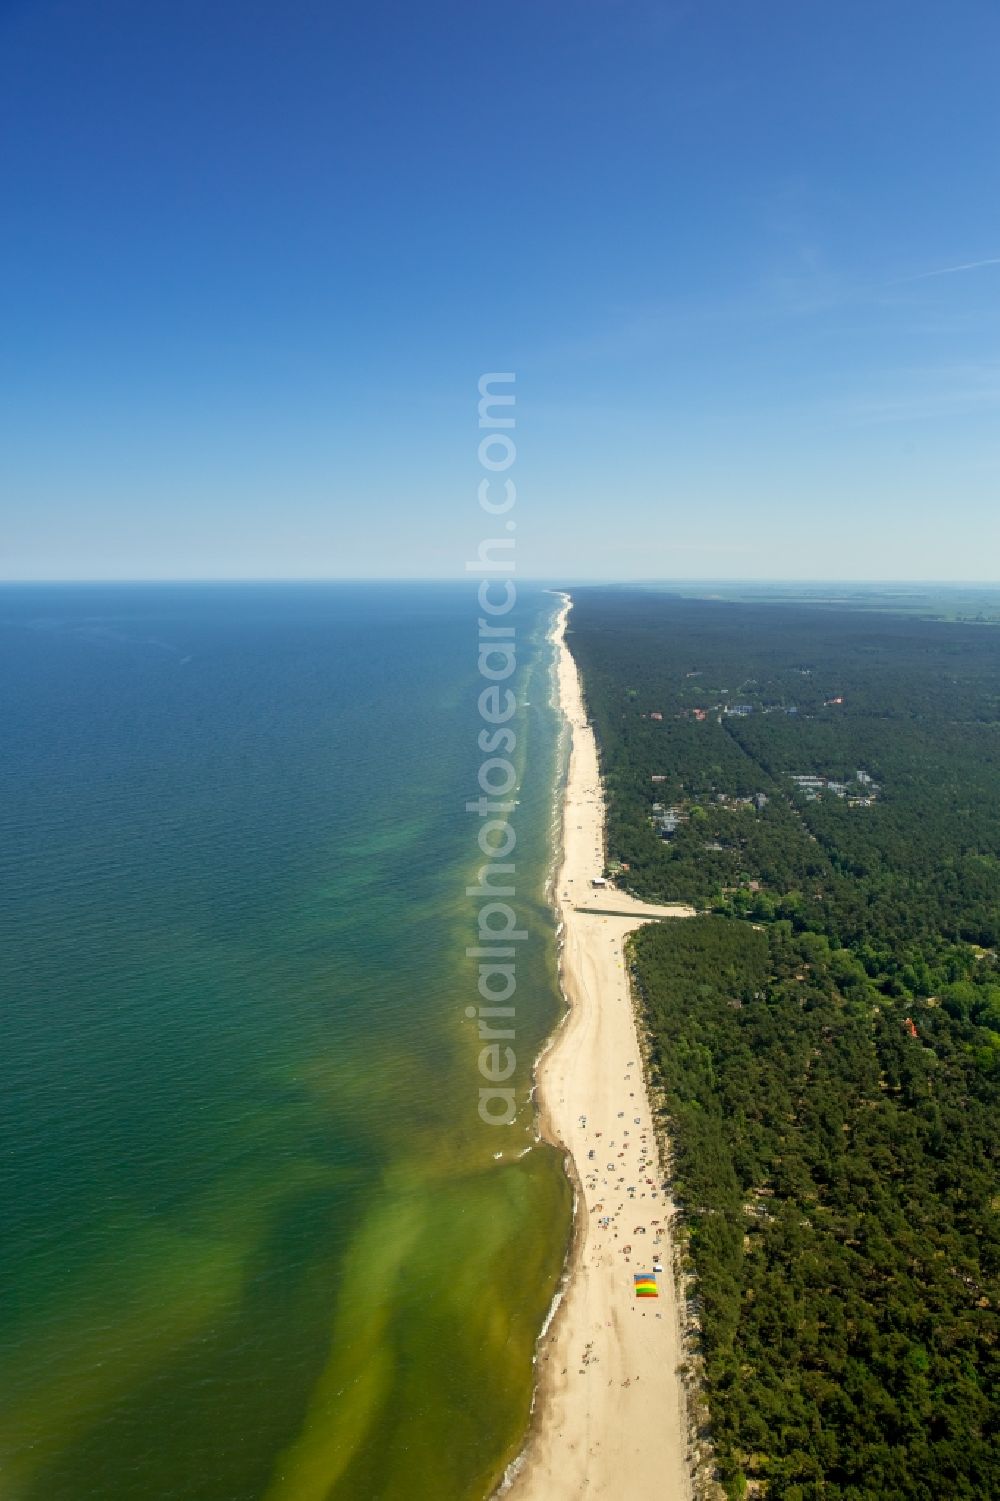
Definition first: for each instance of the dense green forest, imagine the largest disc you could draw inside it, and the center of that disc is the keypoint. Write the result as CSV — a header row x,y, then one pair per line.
x,y
827,1041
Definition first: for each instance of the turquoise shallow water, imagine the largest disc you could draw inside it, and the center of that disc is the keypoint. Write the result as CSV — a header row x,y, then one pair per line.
x,y
259,1247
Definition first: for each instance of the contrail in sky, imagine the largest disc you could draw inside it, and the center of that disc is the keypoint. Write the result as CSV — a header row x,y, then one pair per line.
x,y
994,260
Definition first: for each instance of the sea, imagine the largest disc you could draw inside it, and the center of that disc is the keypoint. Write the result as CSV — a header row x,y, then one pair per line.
x,y
259,1243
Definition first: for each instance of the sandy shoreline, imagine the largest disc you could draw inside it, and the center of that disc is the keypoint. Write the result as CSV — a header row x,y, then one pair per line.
x,y
609,1414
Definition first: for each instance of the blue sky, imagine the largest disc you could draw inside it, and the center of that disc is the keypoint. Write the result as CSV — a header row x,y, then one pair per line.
x,y
255,256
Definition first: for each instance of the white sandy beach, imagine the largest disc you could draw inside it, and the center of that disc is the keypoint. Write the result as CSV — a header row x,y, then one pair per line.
x,y
610,1416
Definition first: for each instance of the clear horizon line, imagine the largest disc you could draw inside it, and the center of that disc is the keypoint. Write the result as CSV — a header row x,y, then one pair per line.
x,y
538,578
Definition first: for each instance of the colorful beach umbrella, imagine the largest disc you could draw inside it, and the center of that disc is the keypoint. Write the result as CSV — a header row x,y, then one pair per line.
x,y
645,1285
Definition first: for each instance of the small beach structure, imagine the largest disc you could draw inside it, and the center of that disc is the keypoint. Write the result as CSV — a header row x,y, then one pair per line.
x,y
645,1285
598,881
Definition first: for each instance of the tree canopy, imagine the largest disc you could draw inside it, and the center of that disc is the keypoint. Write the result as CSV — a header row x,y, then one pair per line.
x,y
826,1039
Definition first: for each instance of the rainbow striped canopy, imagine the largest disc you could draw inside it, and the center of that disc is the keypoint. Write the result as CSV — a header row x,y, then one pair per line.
x,y
645,1285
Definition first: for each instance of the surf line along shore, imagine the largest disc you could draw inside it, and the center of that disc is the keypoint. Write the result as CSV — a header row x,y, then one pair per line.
x,y
609,1417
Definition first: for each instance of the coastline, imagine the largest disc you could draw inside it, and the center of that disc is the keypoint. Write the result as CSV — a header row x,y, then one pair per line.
x,y
609,1415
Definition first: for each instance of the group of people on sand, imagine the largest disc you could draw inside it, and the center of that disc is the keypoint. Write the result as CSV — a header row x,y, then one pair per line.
x,y
629,1174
